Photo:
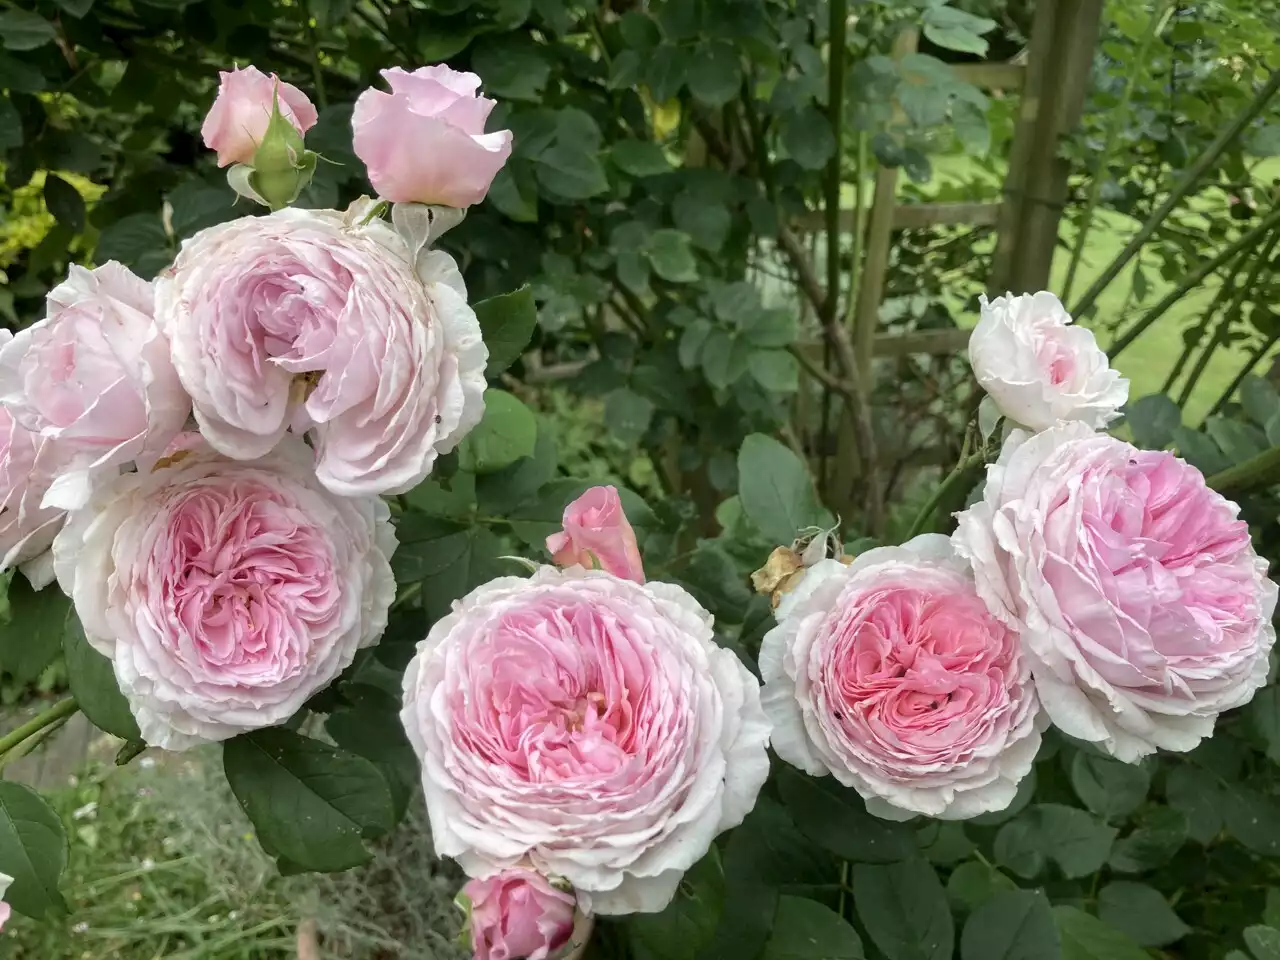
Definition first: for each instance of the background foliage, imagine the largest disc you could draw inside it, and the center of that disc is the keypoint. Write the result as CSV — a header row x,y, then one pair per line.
x,y
663,335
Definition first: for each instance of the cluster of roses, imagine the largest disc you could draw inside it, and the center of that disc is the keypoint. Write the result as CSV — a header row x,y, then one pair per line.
x,y
581,726
583,738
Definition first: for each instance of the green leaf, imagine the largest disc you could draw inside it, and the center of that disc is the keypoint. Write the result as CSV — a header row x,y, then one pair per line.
x,y
23,30
1018,848
974,883
904,910
639,31
688,922
627,414
1152,420
672,257
1254,819
1264,715
807,137
512,67
1108,787
1141,912
93,683
500,492
10,126
776,490
571,172
197,205
627,69
507,322
954,29
137,241
724,358
1088,938
514,191
1199,798
311,804
1199,451
775,370
665,72
640,158
1264,942
1239,441
770,328
1075,841
32,637
691,342
835,817
64,202
369,726
1159,835
1260,400
19,76
715,74
1012,925
33,850
77,8
706,220
506,432
804,929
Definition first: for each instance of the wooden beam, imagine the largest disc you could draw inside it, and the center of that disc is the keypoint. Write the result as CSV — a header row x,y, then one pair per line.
x,y
912,216
934,342
992,76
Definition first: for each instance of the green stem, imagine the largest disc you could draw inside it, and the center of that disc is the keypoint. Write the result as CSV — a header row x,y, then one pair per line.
x,y
839,10
957,475
33,741
1229,316
1260,471
859,212
844,883
1206,268
61,709
316,72
1180,190
1159,14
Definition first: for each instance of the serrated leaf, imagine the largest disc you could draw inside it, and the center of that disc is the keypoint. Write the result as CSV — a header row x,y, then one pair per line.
x,y
93,683
1087,938
665,72
507,322
640,158
775,370
369,726
671,256
836,818
1152,420
808,139
1158,836
24,30
1263,942
627,414
776,489
311,804
33,850
807,930
506,432
32,636
1012,925
715,74
1141,912
904,910
1109,787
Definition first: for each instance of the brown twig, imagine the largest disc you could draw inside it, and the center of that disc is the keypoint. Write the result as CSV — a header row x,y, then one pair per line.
x,y
308,942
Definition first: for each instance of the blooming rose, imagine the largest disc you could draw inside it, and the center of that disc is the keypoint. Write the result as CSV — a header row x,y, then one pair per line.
x,y
518,915
1142,606
240,113
307,319
1038,368
890,674
587,727
28,465
225,593
424,142
95,376
597,534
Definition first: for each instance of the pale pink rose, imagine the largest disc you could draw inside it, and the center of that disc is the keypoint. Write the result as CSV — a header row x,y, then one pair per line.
x,y
94,376
424,142
240,113
310,320
891,675
597,534
28,465
518,915
1039,368
1142,606
225,593
5,910
586,727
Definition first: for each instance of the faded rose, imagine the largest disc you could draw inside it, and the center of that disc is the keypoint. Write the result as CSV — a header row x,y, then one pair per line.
x,y
424,142
94,376
1039,368
225,593
890,674
597,534
518,915
587,727
240,113
310,320
1143,608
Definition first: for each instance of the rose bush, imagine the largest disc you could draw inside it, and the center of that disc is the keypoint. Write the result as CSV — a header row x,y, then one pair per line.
x,y
315,320
1143,608
586,725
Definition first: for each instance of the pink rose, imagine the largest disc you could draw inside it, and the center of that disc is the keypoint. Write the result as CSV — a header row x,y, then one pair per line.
x,y
1038,368
424,142
308,320
225,593
95,377
890,674
586,727
240,113
28,465
1142,606
518,915
597,534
